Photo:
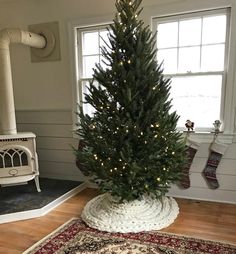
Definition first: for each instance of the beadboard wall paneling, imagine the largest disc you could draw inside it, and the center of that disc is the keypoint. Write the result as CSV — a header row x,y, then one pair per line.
x,y
60,170
47,129
197,193
226,175
227,182
57,159
44,117
54,141
56,155
230,153
226,166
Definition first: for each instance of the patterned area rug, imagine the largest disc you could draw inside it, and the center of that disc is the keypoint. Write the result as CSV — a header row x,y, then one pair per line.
x,y
74,237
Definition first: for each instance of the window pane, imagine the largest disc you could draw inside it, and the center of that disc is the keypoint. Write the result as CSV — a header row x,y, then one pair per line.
x,y
87,108
88,65
104,66
214,29
169,58
197,98
90,43
213,58
190,32
104,40
189,59
167,35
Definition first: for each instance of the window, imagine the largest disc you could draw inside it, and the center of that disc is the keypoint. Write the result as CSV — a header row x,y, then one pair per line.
x,y
193,49
90,42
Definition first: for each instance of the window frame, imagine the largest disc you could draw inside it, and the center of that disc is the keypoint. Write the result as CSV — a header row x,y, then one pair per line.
x,y
176,17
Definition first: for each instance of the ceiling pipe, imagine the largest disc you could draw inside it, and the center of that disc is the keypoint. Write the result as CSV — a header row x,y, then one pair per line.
x,y
7,108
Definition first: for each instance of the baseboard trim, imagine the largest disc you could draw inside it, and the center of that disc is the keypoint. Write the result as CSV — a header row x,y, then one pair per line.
x,y
201,199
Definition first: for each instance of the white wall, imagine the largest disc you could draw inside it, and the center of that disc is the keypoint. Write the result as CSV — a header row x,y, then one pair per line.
x,y
50,81
44,94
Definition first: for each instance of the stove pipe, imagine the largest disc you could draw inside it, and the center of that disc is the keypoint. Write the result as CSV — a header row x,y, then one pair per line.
x,y
7,108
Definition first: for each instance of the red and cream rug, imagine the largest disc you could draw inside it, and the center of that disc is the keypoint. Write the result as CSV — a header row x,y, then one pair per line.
x,y
74,237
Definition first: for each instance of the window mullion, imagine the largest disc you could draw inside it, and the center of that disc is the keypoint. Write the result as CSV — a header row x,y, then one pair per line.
x,y
99,47
86,79
178,48
192,74
201,44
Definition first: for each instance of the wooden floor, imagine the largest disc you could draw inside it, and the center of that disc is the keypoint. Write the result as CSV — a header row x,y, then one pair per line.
x,y
205,220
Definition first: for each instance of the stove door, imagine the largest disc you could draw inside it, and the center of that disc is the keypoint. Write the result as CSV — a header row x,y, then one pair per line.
x,y
16,160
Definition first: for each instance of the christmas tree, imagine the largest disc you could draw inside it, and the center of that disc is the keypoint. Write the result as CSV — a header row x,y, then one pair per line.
x,y
130,146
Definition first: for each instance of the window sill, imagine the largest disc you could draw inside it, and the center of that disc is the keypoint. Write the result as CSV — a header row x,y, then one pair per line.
x,y
207,137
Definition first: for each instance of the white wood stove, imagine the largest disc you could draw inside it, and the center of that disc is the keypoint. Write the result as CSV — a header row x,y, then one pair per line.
x,y
18,159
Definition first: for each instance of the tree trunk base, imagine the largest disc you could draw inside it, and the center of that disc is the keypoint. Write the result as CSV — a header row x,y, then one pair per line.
x,y
106,214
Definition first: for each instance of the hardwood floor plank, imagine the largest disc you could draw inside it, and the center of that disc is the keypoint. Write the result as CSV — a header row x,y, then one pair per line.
x,y
207,220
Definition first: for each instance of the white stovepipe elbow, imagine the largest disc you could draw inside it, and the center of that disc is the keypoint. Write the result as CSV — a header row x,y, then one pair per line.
x,y
15,35
7,107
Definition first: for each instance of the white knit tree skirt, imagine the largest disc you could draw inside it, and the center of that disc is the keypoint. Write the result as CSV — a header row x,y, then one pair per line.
x,y
106,214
